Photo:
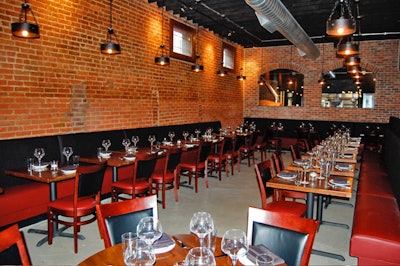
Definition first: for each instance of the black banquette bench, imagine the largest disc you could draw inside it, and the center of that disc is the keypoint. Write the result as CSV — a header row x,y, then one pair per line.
x,y
323,128
25,201
375,238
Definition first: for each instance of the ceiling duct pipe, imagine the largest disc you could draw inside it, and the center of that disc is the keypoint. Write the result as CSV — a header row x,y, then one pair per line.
x,y
274,16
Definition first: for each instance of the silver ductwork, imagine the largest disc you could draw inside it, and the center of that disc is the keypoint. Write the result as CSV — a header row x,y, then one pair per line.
x,y
274,16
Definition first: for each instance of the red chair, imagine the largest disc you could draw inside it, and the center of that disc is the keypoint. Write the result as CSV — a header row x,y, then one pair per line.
x,y
197,167
217,161
289,237
88,181
140,183
279,166
165,179
116,218
9,238
279,202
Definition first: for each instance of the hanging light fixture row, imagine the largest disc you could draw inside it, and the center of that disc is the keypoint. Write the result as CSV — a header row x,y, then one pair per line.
x,y
23,28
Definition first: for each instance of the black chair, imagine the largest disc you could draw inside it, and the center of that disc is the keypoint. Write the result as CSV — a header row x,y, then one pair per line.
x,y
289,237
116,218
217,161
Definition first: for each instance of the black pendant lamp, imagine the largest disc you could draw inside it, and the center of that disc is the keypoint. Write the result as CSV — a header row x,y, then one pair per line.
x,y
162,60
241,77
23,28
345,24
347,49
197,67
222,72
351,61
109,47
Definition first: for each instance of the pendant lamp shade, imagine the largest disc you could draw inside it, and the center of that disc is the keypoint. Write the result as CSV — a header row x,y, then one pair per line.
x,y
110,47
347,48
241,77
222,72
345,24
352,61
163,59
23,28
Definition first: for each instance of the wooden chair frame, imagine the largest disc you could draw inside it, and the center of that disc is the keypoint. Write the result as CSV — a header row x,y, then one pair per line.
x,y
12,236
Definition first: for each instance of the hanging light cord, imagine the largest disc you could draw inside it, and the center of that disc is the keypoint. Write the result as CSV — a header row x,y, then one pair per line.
x,y
24,10
346,3
111,14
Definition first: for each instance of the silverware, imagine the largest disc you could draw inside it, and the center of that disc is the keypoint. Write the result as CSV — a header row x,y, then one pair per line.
x,y
180,243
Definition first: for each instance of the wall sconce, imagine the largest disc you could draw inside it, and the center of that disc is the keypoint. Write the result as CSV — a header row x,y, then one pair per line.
x,y
222,72
341,26
162,60
109,47
241,76
23,28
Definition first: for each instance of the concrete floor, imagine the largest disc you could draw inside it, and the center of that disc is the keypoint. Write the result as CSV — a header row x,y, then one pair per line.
x,y
227,201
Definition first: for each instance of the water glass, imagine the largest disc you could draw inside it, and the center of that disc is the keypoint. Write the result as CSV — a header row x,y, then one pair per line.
x,y
264,260
54,165
136,251
29,164
75,160
100,150
200,256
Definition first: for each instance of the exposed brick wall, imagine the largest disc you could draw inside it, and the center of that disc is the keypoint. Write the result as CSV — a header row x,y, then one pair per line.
x,y
380,57
61,83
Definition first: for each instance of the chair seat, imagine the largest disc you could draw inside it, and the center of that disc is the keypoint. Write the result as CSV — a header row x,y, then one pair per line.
x,y
66,205
157,177
191,167
216,158
289,207
126,185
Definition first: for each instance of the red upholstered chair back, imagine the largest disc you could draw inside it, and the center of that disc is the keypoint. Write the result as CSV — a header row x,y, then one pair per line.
x,y
12,247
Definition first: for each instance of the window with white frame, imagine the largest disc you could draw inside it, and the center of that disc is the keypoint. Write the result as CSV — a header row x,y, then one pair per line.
x,y
228,56
182,41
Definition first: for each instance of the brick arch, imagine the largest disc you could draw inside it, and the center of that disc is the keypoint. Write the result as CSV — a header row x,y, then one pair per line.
x,y
286,65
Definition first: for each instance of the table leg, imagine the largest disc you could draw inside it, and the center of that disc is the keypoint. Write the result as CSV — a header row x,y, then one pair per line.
x,y
115,174
319,215
57,232
310,205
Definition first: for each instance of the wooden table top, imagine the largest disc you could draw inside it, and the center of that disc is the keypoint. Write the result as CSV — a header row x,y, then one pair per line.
x,y
319,186
113,255
335,172
46,176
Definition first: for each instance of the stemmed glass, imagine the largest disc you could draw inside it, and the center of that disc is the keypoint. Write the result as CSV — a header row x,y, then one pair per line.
x,y
39,154
171,135
135,140
234,244
201,224
149,229
197,132
67,151
185,134
126,142
152,138
305,165
106,144
200,256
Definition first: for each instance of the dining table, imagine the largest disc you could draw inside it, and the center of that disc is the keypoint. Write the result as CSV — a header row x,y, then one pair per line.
x,y
49,177
183,243
335,171
321,188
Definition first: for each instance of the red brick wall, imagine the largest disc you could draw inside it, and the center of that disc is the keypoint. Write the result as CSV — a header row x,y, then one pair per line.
x,y
381,57
61,83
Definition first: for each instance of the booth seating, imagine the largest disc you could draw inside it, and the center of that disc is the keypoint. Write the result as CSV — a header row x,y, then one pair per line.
x,y
375,236
25,202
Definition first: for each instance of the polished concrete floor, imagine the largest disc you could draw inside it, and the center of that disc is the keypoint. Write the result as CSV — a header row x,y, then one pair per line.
x,y
227,201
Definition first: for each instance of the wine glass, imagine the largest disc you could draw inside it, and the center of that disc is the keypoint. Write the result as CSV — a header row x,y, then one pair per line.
x,y
67,151
201,224
135,140
106,144
234,244
39,154
200,256
152,138
185,134
149,229
171,135
305,165
197,132
136,251
126,142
